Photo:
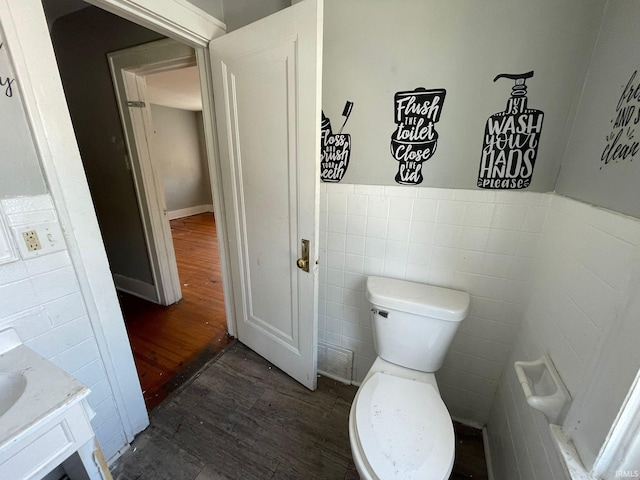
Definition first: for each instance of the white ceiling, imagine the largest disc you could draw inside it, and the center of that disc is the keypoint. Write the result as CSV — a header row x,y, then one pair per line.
x,y
175,88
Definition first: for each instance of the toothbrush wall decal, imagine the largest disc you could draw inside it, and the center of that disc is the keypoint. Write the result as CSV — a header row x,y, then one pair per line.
x,y
511,141
415,139
622,143
336,148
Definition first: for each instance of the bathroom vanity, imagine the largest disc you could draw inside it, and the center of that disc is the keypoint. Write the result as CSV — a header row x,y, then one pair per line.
x,y
44,418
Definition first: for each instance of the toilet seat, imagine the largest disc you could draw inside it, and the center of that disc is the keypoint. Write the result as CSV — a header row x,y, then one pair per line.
x,y
403,429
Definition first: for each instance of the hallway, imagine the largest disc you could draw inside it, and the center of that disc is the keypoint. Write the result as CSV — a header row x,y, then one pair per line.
x,y
171,343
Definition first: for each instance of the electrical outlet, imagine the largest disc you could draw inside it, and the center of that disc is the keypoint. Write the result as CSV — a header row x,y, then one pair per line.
x,y
31,240
38,239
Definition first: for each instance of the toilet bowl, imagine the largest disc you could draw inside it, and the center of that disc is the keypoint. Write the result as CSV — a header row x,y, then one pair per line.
x,y
399,427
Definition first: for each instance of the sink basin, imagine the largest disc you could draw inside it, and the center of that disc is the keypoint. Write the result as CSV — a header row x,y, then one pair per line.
x,y
44,416
12,387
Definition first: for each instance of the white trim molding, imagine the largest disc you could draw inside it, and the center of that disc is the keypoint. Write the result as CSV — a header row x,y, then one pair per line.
x,y
187,212
25,32
620,452
215,177
135,287
128,69
573,468
177,19
487,453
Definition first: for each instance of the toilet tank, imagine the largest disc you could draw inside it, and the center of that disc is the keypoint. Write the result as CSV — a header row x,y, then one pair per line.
x,y
414,323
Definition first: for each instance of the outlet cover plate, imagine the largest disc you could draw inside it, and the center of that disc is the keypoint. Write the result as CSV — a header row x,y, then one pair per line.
x,y
49,236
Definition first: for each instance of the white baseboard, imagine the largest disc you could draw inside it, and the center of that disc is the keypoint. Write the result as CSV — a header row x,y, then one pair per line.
x,y
487,453
118,454
468,423
136,287
187,212
332,376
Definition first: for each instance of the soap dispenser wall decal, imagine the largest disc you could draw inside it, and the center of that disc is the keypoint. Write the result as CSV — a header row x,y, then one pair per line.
x,y
511,140
336,148
415,139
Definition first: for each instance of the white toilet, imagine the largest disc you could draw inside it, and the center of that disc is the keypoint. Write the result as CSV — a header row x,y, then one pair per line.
x,y
399,427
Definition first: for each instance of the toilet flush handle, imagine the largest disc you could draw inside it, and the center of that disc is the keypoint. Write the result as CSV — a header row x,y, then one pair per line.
x,y
382,313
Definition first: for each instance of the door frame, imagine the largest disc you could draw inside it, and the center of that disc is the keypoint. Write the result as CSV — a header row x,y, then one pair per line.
x,y
215,173
25,30
128,70
185,23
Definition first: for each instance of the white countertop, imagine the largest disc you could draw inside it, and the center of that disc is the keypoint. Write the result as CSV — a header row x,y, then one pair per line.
x,y
48,389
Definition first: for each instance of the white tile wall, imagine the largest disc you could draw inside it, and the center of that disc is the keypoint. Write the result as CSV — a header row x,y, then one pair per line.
x,y
583,279
562,265
41,299
482,242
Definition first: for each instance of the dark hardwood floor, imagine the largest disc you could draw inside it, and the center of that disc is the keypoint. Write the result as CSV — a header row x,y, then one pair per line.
x,y
470,460
242,418
172,343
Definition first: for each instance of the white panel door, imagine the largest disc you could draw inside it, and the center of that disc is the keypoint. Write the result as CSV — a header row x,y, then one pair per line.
x,y
267,93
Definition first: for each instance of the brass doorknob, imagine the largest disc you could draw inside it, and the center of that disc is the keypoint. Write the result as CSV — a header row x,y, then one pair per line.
x,y
303,262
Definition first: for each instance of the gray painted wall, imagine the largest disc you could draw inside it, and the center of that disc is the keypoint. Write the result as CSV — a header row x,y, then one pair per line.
x,y
238,13
178,149
375,48
212,7
19,164
81,41
589,171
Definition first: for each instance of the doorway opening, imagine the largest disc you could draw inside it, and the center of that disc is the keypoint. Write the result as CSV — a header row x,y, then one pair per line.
x,y
172,342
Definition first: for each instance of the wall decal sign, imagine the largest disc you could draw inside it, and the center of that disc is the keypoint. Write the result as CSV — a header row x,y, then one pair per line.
x,y
6,83
336,148
622,143
415,139
511,140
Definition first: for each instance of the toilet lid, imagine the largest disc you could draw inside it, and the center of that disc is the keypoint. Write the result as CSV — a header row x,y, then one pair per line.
x,y
404,429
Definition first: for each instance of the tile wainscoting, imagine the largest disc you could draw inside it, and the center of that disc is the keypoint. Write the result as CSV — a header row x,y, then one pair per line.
x,y
483,242
581,314
42,301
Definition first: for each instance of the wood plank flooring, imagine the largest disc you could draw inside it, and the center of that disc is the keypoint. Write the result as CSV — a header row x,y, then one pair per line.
x,y
242,418
172,343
